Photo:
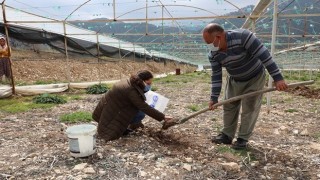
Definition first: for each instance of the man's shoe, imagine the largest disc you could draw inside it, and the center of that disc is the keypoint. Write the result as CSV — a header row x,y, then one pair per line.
x,y
240,144
222,139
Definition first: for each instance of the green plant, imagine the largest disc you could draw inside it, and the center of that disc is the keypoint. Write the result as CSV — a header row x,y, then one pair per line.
x,y
48,99
242,153
97,89
194,107
75,117
291,110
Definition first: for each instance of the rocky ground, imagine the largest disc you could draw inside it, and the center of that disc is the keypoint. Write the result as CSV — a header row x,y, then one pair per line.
x,y
285,144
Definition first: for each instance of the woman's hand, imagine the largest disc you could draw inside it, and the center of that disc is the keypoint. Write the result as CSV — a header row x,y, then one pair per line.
x,y
167,118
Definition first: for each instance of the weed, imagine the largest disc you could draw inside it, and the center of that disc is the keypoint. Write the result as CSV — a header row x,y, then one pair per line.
x,y
48,99
194,107
75,117
242,153
97,89
291,110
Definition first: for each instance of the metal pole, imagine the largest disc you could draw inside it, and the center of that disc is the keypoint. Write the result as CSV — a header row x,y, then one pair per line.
x,y
66,53
98,56
253,25
146,17
114,10
8,45
134,52
145,56
162,22
273,41
120,59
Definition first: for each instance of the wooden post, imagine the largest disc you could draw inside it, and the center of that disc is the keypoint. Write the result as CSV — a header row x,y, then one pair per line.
x,y
66,53
8,45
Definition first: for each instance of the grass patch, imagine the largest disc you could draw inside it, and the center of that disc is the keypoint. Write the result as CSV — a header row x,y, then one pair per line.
x,y
242,153
291,110
194,107
24,104
75,117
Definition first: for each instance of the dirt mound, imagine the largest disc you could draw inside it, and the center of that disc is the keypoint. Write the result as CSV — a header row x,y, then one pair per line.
x,y
306,92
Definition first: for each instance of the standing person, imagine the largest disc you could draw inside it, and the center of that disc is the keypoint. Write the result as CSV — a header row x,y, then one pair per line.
x,y
4,60
122,108
245,59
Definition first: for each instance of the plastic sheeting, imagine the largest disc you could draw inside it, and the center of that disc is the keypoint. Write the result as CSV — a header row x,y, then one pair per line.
x,y
6,91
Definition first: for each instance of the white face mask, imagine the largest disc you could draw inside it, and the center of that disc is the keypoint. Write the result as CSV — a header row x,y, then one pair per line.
x,y
213,48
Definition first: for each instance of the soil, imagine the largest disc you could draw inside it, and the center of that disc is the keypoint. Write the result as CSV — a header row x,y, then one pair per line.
x,y
285,143
30,67
306,92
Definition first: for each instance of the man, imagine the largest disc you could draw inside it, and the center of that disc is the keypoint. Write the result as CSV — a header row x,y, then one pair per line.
x,y
245,59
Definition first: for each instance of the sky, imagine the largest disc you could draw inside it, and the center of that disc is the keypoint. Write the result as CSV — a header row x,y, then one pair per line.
x,y
60,9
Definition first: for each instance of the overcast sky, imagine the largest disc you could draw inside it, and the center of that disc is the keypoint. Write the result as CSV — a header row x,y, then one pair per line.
x,y
60,9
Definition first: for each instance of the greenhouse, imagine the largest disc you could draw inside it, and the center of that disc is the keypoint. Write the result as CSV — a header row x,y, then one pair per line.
x,y
60,60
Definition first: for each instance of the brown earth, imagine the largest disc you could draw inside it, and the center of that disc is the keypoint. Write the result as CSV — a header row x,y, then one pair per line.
x,y
30,67
306,92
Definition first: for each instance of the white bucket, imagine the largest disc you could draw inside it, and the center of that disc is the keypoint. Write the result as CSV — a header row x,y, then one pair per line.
x,y
82,140
156,100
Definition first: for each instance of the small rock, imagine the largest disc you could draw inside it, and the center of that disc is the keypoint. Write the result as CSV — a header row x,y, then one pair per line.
x,y
318,175
14,155
276,131
32,155
254,163
262,177
187,167
100,155
295,131
290,178
304,132
143,174
231,166
282,128
57,171
89,170
102,172
189,160
80,166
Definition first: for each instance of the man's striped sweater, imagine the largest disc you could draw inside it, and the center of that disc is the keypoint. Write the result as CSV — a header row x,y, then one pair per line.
x,y
244,59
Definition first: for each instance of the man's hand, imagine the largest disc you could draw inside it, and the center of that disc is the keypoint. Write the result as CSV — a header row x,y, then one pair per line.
x,y
211,107
281,85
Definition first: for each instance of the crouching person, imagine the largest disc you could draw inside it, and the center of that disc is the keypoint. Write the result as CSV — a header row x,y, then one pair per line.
x,y
123,107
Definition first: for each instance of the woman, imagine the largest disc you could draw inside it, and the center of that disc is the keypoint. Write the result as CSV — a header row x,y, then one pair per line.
x,y
124,106
4,60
